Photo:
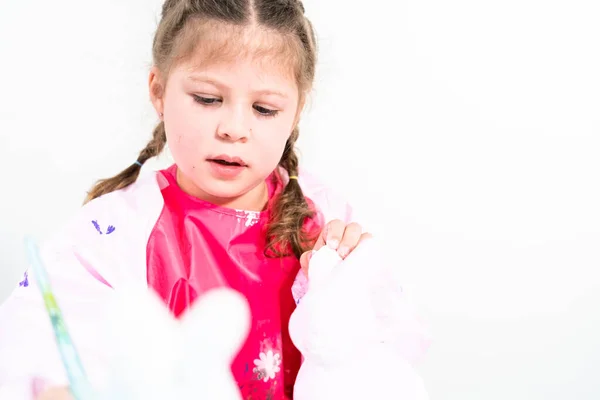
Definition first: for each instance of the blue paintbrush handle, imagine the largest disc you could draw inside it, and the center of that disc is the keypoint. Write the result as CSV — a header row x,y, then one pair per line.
x,y
79,384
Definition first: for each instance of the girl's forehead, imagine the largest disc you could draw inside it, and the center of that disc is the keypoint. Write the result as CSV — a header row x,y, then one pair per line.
x,y
218,46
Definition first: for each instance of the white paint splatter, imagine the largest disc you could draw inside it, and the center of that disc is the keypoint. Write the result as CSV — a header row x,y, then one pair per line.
x,y
250,217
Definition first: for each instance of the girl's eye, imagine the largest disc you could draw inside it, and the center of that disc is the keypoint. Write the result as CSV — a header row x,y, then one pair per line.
x,y
265,111
205,100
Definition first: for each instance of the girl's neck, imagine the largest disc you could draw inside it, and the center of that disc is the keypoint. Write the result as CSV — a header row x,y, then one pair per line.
x,y
254,200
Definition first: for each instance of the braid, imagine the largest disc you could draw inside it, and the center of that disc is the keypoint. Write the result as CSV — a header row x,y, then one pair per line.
x,y
184,24
129,175
289,212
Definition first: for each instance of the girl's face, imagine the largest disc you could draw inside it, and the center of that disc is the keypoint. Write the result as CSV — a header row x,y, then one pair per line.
x,y
227,124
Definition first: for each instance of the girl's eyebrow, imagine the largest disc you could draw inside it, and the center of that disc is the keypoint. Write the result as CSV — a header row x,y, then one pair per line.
x,y
203,79
270,92
216,83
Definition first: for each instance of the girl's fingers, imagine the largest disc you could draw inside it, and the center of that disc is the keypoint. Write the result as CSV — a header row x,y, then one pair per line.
x,y
351,238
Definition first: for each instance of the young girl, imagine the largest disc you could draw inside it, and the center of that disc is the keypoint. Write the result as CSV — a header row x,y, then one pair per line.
x,y
229,82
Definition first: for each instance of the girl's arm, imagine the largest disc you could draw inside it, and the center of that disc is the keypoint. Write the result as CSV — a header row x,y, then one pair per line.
x,y
102,247
402,335
29,358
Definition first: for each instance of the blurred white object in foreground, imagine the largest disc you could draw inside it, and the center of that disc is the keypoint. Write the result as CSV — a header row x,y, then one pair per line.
x,y
357,332
155,356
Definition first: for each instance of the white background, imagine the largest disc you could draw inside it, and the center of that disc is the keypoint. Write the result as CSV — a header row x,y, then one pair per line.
x,y
473,126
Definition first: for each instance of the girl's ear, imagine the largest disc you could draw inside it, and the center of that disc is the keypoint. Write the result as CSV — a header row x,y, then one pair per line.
x,y
157,90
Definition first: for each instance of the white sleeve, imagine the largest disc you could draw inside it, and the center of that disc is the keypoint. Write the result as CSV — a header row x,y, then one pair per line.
x,y
331,205
102,248
28,349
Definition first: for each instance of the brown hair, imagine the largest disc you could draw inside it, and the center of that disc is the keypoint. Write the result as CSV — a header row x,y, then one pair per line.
x,y
182,28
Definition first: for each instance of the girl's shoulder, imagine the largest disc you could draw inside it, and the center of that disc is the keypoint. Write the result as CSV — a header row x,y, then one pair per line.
x,y
327,200
108,235
332,204
122,209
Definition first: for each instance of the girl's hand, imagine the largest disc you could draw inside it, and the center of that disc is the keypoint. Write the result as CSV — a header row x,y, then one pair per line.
x,y
339,236
56,393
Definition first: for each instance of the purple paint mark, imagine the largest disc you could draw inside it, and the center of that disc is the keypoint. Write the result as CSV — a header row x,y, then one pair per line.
x,y
109,230
95,223
25,281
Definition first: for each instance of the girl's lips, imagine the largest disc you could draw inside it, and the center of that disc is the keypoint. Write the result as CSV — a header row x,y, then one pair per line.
x,y
224,170
228,160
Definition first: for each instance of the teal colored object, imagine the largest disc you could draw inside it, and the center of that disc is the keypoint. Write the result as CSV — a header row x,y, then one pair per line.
x,y
79,384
